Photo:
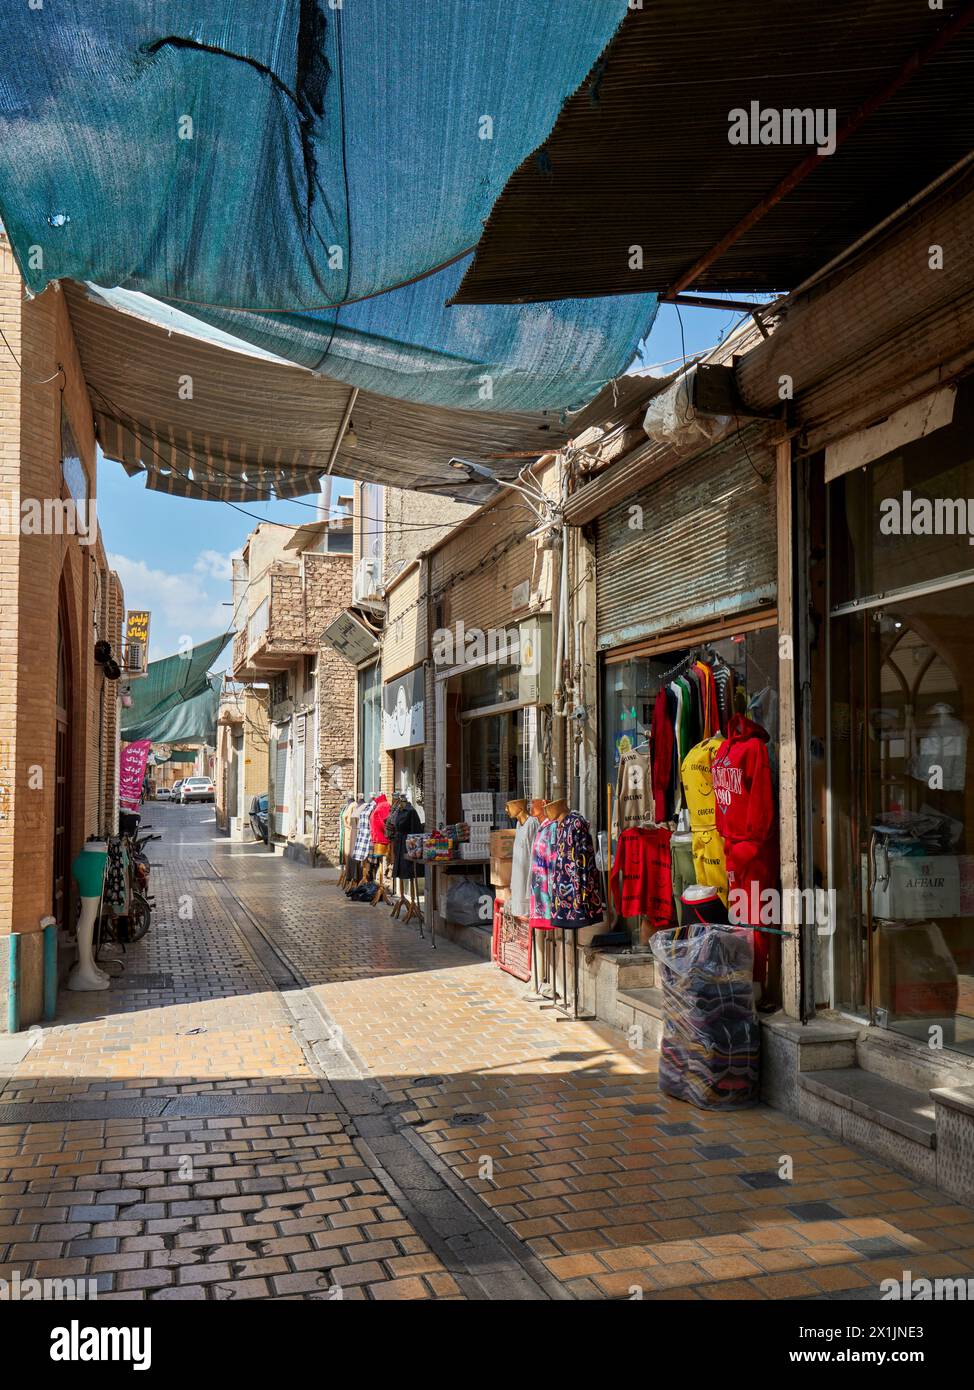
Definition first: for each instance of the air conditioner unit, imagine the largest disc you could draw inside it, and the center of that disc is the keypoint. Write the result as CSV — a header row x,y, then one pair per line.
x,y
367,582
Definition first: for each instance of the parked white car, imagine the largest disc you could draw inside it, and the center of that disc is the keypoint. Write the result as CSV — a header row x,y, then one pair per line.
x,y
197,789
163,794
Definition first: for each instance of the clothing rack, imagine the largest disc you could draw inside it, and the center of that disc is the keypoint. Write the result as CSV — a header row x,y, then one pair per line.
x,y
699,653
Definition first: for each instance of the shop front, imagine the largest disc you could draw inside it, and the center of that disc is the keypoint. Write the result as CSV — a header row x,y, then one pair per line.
x,y
894,715
688,649
404,732
492,748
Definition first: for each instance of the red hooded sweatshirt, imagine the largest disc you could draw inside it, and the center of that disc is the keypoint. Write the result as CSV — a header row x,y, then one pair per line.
x,y
743,794
377,821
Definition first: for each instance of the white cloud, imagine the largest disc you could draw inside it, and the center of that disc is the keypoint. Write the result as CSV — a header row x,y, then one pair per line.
x,y
182,605
212,563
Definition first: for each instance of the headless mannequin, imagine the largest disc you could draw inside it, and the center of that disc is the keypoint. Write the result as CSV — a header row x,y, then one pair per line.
x,y
88,869
517,810
556,810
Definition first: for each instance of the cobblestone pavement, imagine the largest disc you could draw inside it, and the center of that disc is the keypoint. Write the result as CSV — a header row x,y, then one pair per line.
x,y
284,1095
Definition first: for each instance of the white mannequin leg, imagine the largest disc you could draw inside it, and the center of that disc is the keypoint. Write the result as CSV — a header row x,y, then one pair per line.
x,y
86,974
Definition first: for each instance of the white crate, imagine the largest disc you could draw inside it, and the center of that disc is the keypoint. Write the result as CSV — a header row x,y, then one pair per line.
x,y
477,801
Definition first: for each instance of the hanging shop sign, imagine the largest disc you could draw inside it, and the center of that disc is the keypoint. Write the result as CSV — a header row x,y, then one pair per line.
x,y
403,710
131,773
350,638
136,657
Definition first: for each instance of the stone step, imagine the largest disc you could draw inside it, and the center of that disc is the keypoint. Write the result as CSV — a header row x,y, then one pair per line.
x,y
642,1007
892,1121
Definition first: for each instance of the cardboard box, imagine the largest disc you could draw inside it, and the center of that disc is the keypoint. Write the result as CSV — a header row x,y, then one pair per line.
x,y
502,844
500,872
502,895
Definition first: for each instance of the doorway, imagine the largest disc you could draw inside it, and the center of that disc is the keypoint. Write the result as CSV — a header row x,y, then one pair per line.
x,y
901,700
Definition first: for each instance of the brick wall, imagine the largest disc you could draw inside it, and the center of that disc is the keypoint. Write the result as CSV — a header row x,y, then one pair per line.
x,y
327,590
38,572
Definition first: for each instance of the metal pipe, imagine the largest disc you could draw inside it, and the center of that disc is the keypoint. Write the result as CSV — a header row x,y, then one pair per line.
x,y
50,967
340,434
13,984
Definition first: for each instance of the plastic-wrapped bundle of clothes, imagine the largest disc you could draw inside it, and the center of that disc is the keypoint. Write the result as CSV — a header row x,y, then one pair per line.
x,y
710,1053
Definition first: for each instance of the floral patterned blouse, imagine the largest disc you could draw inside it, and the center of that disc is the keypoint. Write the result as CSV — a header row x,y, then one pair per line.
x,y
576,894
542,861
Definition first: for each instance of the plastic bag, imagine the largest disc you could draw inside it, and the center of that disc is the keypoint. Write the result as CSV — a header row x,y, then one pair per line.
x,y
469,903
711,1048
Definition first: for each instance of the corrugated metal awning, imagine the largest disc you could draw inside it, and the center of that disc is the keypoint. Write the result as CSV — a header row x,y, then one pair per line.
x,y
638,180
234,425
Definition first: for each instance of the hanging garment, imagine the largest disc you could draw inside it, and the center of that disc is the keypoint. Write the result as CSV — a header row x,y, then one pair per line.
x,y
745,819
641,881
542,864
662,757
363,832
709,863
682,872
741,774
576,898
695,682
724,687
377,821
698,787
711,713
633,791
403,820
520,898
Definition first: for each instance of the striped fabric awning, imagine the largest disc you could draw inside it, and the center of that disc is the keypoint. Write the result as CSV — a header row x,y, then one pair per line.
x,y
205,417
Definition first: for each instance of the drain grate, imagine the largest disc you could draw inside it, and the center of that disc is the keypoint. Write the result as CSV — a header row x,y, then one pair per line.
x,y
463,1117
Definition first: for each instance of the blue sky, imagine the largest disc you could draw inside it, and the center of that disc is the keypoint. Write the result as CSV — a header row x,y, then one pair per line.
x,y
173,554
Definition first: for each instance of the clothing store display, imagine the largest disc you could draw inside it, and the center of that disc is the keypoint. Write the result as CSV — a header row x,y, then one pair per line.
x,y
724,688
576,897
363,832
681,868
520,887
741,773
377,822
711,711
542,863
709,861
710,1050
641,881
114,890
745,819
633,801
698,787
403,820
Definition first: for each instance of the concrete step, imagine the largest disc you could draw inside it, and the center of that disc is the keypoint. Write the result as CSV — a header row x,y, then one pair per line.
x,y
897,1123
643,1008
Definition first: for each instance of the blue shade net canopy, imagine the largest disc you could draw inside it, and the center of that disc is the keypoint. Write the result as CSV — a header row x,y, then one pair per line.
x,y
311,179
177,699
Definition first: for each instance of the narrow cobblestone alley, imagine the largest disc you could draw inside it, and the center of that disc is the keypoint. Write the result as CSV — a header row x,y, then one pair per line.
x,y
287,1095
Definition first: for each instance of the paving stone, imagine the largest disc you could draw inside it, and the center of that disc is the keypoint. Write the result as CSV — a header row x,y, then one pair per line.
x,y
599,1181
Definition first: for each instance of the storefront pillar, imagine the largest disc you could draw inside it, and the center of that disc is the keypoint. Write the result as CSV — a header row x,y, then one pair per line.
x,y
791,943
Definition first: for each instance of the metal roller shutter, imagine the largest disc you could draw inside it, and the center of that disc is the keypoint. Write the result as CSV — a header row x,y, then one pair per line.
x,y
702,547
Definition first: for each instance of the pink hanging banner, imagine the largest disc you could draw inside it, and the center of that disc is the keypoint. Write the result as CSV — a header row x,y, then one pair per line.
x,y
131,773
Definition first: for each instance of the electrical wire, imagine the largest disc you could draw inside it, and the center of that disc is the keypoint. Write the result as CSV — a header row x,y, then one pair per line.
x,y
45,381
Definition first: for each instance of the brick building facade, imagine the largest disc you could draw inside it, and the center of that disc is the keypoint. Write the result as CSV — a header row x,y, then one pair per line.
x,y
58,714
288,588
